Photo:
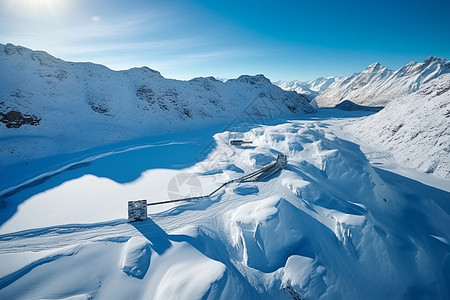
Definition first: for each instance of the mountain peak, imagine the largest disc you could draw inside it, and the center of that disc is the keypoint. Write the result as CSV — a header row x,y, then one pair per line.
x,y
145,70
253,79
11,49
431,59
378,85
375,66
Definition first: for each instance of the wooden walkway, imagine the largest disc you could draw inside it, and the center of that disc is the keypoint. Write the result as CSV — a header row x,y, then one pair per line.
x,y
259,175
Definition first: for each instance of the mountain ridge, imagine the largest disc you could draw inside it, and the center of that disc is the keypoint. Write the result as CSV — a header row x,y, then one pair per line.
x,y
115,105
376,85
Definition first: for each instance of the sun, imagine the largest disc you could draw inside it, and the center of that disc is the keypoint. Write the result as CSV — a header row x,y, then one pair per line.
x,y
43,7
43,4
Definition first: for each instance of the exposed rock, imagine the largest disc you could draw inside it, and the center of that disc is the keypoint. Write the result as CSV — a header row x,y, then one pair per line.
x,y
15,119
351,106
146,93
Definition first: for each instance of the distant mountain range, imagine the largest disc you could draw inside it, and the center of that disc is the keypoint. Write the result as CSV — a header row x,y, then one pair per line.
x,y
311,89
413,128
375,86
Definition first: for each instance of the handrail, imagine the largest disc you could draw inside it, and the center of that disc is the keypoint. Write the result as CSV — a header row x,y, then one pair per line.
x,y
279,164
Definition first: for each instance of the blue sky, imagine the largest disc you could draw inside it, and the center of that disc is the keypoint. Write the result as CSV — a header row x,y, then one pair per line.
x,y
284,40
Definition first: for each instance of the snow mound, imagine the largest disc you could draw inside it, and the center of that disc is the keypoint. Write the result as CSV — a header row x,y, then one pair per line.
x,y
266,232
300,274
136,257
234,168
190,275
293,183
260,159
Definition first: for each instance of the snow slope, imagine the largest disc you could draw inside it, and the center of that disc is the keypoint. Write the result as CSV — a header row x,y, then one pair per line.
x,y
45,103
375,86
309,88
414,129
329,226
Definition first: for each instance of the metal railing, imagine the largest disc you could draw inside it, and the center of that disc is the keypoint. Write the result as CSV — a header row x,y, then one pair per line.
x,y
258,175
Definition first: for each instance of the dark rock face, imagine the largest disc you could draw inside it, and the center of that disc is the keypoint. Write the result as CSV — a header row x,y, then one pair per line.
x,y
351,106
146,93
15,119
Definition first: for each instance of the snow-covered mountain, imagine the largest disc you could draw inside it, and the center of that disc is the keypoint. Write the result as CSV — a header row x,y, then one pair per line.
x,y
414,129
46,102
375,86
308,88
415,117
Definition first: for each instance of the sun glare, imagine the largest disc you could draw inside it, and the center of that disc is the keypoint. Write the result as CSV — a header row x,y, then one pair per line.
x,y
42,4
44,7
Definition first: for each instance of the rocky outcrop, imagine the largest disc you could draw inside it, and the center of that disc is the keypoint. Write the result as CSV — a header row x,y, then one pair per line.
x,y
15,119
350,106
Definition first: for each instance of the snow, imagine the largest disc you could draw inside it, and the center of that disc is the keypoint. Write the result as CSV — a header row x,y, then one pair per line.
x,y
345,219
189,275
300,272
92,199
112,106
330,225
413,130
136,257
255,212
375,86
309,88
